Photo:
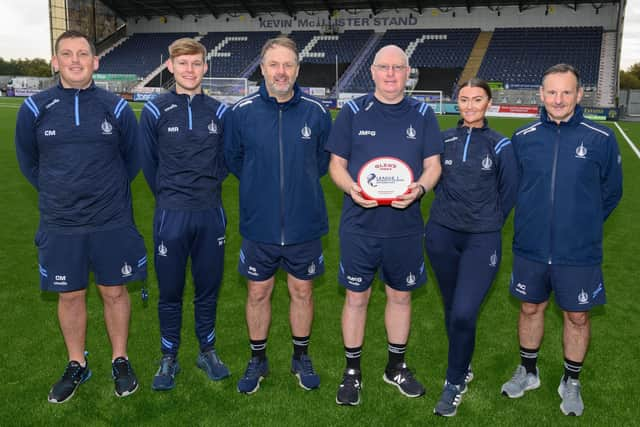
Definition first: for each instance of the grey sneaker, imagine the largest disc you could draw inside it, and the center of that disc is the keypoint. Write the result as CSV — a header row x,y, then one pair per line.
x,y
569,391
520,382
450,399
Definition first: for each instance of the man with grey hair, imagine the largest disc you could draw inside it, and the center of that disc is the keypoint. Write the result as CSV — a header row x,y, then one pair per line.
x,y
382,236
276,149
570,182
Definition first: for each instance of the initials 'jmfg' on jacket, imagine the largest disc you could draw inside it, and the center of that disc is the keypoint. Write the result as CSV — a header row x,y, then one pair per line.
x,y
570,181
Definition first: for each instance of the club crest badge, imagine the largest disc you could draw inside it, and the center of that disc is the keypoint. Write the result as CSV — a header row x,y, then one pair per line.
x,y
162,249
305,132
126,270
581,151
487,163
106,127
411,132
583,297
312,268
213,128
493,259
411,279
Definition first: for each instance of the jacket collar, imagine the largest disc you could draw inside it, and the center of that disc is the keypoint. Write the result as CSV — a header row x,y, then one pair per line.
x,y
297,93
92,86
485,125
573,120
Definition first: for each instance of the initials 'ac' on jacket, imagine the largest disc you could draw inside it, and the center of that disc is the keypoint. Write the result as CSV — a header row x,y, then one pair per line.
x,y
570,181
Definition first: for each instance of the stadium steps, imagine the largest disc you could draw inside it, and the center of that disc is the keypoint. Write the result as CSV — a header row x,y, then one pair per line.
x,y
350,72
113,46
476,56
159,69
605,94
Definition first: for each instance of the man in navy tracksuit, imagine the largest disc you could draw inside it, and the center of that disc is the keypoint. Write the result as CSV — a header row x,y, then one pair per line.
x,y
277,152
76,144
183,163
384,123
570,182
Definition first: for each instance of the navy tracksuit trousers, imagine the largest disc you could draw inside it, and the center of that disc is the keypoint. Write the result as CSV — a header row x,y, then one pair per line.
x,y
179,235
465,265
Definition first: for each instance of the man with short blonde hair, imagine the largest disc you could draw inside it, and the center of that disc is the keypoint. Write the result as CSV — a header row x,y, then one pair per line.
x,y
183,163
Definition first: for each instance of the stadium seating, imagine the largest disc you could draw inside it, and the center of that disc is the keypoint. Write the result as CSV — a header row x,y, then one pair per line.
x,y
232,52
326,47
434,48
140,54
519,56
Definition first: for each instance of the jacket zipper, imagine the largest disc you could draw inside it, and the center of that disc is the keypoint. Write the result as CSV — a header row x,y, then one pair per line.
x,y
77,107
466,145
553,192
280,144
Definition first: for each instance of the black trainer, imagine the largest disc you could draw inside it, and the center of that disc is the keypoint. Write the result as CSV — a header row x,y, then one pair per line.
x,y
401,377
123,376
74,375
349,390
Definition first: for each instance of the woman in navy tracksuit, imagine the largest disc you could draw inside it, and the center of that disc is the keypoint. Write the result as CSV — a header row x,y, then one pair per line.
x,y
463,235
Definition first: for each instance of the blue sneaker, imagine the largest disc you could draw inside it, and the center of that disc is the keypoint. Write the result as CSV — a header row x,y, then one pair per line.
x,y
303,369
212,365
256,371
450,399
165,378
74,375
469,375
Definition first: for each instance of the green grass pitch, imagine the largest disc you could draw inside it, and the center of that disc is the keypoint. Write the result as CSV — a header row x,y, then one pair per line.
x,y
33,353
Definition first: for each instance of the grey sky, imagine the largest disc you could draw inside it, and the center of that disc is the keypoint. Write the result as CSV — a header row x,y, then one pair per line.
x,y
24,31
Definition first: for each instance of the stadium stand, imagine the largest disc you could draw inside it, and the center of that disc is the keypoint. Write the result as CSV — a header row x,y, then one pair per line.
x,y
439,54
232,52
139,54
518,56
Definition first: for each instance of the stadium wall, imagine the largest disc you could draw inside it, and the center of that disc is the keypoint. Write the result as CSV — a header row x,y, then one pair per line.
x,y
480,17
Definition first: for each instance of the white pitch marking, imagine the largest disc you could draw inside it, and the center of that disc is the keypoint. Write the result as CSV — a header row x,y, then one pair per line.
x,y
631,144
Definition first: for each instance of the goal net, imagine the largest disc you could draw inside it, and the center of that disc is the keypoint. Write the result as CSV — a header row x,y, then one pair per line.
x,y
431,97
226,89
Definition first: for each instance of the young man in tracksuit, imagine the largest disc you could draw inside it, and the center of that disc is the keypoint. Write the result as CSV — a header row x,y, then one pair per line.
x,y
76,144
276,149
473,198
386,238
570,182
183,162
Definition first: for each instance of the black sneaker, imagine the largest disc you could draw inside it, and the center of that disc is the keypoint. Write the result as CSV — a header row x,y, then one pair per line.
x,y
401,377
74,375
349,390
124,377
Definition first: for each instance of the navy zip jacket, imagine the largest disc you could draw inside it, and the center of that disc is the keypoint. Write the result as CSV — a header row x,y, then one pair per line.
x,y
77,147
478,185
277,152
183,151
570,182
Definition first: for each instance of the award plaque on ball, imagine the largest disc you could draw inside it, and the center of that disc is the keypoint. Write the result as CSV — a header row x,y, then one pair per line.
x,y
384,179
